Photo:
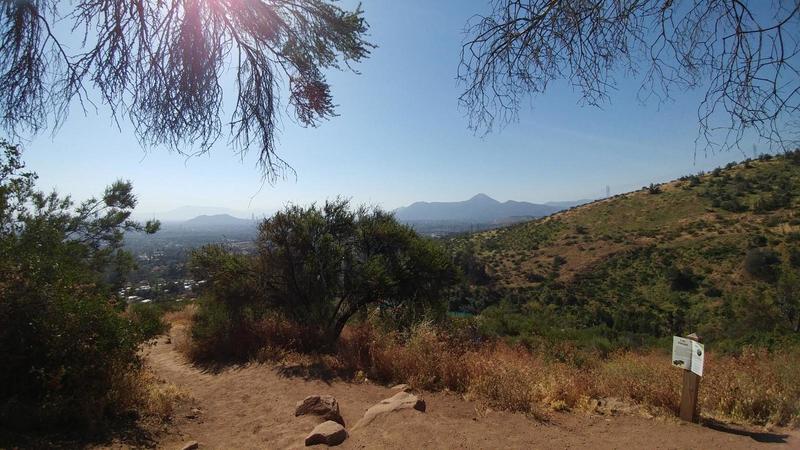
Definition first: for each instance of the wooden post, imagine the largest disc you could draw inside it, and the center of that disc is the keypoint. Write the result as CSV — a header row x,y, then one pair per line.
x,y
691,387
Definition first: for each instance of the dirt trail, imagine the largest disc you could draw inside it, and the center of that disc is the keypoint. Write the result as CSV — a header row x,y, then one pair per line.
x,y
253,407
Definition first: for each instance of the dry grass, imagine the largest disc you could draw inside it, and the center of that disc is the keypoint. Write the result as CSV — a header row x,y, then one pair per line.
x,y
183,316
151,397
181,327
643,378
755,387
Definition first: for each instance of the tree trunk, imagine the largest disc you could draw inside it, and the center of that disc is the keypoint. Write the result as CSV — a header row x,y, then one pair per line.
x,y
335,330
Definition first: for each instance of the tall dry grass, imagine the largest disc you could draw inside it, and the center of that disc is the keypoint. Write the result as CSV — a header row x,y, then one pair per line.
x,y
756,387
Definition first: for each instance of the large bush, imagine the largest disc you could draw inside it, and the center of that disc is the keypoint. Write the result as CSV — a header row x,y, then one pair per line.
x,y
65,349
318,267
321,266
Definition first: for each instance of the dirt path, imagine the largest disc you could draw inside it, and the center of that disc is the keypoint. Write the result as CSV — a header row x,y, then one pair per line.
x,y
253,407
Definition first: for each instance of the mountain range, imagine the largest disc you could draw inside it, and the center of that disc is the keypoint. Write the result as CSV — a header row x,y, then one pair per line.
x,y
217,221
479,209
189,212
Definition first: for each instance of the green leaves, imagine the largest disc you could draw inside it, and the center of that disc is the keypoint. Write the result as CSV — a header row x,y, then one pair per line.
x,y
320,265
58,328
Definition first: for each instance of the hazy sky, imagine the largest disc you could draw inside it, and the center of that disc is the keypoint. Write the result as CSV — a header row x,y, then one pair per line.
x,y
400,137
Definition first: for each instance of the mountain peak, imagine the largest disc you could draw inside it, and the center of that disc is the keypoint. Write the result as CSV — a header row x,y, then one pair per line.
x,y
483,198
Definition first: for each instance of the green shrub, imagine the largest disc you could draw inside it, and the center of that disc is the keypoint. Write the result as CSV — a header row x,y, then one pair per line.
x,y
762,263
147,318
63,353
794,257
66,352
221,335
317,268
772,201
733,205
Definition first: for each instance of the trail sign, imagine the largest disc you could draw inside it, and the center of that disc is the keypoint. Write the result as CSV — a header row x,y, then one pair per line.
x,y
682,352
689,354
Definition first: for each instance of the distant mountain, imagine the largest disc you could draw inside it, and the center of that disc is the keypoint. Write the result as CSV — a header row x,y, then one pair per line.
x,y
479,209
195,232
185,213
217,221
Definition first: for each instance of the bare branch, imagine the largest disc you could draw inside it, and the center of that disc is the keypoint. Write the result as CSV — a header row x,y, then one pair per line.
x,y
159,63
743,53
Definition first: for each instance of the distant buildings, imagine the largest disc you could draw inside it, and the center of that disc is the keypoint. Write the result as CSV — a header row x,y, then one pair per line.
x,y
160,289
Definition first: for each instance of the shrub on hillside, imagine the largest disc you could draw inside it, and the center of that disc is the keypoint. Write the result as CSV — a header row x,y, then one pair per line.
x,y
794,257
762,263
683,279
653,189
772,201
733,205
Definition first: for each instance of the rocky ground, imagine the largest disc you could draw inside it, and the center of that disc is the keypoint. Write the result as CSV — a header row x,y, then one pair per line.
x,y
255,406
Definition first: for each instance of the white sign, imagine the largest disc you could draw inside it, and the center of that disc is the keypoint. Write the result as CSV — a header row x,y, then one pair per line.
x,y
688,354
698,355
682,352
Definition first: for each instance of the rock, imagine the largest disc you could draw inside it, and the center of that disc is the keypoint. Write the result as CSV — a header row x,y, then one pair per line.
x,y
191,445
324,406
328,433
400,401
401,387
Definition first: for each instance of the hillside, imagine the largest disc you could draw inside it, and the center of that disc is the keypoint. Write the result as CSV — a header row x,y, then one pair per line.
x,y
479,209
716,253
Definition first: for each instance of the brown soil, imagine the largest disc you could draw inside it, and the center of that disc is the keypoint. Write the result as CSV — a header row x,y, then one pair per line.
x,y
252,406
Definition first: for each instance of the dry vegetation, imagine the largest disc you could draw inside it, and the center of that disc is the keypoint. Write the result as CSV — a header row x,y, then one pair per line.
x,y
153,398
754,387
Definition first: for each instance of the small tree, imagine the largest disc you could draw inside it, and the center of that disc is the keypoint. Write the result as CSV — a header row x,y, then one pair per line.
x,y
323,265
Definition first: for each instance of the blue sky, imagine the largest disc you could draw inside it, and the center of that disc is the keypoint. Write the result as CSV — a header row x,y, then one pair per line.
x,y
400,138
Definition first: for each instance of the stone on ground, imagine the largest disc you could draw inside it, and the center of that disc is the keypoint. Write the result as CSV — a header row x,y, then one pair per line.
x,y
400,401
191,445
328,433
324,406
401,387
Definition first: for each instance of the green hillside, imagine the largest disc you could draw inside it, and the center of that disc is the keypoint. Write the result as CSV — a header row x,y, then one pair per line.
x,y
717,253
